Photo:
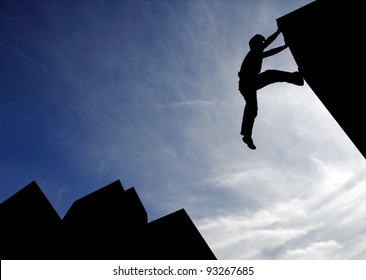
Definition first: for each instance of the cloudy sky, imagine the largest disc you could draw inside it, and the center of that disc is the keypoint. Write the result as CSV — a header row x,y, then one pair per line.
x,y
146,92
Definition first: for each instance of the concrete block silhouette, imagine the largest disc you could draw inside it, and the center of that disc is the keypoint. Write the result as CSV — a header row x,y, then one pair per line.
x,y
104,221
168,235
324,38
29,224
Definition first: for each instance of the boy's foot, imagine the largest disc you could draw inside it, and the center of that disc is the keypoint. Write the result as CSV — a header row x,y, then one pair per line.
x,y
297,79
249,143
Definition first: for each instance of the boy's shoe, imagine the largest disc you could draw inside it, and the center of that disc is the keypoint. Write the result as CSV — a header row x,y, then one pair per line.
x,y
249,143
297,79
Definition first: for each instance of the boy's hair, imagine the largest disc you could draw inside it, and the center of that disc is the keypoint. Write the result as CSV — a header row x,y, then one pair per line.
x,y
256,40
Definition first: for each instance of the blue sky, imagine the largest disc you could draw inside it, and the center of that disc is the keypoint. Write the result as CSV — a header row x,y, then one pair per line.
x,y
145,92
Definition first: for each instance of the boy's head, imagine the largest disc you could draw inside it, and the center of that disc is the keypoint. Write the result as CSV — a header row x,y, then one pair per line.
x,y
256,42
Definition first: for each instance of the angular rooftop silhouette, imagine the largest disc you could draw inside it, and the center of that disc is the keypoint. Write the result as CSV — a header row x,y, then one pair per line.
x,y
324,38
110,223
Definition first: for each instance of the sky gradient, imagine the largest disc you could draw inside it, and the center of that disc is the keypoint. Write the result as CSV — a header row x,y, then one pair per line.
x,y
146,92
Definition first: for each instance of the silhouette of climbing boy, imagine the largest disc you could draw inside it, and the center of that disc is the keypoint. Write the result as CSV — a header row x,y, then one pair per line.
x,y
252,79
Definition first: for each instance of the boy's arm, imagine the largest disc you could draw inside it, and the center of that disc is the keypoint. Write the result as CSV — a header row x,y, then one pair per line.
x,y
274,51
271,38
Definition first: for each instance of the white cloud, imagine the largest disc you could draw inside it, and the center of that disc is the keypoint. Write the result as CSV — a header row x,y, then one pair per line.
x,y
191,103
292,228
315,251
255,234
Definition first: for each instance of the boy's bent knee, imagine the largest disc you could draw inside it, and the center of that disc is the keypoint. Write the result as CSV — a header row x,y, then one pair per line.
x,y
251,110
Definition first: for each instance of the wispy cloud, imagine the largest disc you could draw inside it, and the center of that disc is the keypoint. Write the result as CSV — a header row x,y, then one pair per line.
x,y
191,103
322,250
23,55
256,234
316,226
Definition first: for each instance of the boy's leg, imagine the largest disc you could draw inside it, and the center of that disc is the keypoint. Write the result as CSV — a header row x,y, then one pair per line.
x,y
249,115
274,76
250,112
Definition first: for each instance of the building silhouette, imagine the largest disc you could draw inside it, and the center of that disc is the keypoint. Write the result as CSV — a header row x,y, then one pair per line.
x,y
110,223
324,38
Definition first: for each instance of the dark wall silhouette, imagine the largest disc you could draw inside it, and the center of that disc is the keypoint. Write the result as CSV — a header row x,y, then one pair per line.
x,y
325,38
29,225
110,223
